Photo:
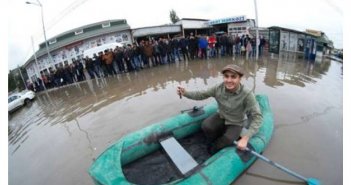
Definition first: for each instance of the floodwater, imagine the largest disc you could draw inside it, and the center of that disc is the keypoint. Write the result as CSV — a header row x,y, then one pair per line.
x,y
56,138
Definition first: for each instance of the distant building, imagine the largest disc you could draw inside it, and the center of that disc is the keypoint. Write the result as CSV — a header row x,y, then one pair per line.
x,y
183,27
194,26
310,44
262,32
164,31
69,46
238,25
325,45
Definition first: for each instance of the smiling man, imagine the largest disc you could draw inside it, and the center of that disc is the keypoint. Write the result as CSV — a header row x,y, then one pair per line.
x,y
237,109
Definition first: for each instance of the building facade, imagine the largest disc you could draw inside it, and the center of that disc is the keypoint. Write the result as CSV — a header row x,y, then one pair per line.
x,y
69,46
192,26
147,33
306,44
238,25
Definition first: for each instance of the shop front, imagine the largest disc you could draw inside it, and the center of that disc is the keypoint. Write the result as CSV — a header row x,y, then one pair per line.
x,y
238,25
156,32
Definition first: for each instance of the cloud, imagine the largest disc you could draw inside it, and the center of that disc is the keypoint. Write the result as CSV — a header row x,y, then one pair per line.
x,y
64,15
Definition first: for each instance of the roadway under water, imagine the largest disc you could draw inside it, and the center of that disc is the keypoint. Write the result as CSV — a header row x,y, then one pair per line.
x,y
56,138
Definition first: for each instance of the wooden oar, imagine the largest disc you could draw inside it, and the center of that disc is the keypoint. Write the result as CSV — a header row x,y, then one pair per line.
x,y
309,181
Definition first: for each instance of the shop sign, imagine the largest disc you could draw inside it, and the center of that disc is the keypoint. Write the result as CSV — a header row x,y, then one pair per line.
x,y
314,32
228,20
75,44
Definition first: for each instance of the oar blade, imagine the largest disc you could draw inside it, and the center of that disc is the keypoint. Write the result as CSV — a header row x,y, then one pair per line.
x,y
312,181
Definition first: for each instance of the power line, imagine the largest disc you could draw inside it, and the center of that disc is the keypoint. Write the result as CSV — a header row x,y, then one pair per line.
x,y
65,12
60,16
336,8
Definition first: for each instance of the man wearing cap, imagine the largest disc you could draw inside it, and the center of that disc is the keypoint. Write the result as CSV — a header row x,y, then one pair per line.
x,y
237,109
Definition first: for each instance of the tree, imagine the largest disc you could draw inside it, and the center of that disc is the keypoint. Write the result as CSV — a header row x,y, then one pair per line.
x,y
12,85
15,80
173,16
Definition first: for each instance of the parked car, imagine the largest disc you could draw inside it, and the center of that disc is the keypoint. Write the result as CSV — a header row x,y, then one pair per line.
x,y
19,99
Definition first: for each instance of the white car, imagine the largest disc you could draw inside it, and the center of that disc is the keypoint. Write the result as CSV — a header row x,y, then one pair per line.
x,y
19,99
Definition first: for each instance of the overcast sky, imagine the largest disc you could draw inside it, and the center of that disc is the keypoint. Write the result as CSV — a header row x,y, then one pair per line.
x,y
63,15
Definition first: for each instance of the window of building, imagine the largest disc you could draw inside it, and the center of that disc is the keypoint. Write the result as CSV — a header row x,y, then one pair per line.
x,y
105,25
52,41
78,32
34,78
45,71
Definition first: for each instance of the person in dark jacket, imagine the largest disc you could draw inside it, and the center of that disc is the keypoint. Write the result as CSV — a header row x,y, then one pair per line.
x,y
169,51
119,60
136,57
261,45
89,66
127,56
183,43
96,66
175,48
67,75
193,47
163,52
156,52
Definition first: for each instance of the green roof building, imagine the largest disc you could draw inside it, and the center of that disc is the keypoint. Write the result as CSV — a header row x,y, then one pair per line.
x,y
70,45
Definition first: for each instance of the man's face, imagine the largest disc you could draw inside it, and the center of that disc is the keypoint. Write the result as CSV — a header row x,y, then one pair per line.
x,y
231,80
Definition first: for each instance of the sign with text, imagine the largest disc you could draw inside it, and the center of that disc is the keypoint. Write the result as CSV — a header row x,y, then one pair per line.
x,y
227,20
314,32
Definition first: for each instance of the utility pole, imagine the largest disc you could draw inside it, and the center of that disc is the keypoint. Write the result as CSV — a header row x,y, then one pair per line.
x,y
42,21
36,64
256,24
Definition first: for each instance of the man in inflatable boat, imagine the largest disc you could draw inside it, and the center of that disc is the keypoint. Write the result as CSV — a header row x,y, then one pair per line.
x,y
238,117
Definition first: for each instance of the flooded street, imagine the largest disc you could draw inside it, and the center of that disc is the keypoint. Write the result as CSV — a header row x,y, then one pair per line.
x,y
56,138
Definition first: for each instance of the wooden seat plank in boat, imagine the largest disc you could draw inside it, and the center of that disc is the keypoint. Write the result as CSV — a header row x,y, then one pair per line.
x,y
179,156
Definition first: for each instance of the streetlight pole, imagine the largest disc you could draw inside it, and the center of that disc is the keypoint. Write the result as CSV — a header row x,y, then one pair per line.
x,y
36,64
257,36
42,21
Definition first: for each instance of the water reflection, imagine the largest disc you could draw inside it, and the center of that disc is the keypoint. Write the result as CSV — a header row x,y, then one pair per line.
x,y
289,70
67,104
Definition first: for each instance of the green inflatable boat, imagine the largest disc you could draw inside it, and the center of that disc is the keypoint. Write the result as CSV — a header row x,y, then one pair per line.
x,y
154,156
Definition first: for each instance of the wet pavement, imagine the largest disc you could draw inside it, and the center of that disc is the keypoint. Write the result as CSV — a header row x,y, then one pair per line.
x,y
55,139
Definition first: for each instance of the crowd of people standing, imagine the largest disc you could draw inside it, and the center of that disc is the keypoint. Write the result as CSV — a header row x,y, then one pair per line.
x,y
146,54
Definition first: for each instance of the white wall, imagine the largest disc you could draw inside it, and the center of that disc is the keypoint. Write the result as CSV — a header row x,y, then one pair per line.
x,y
193,24
67,54
156,30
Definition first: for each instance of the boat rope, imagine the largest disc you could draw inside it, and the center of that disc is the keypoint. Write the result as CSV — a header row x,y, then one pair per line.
x,y
305,119
274,179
